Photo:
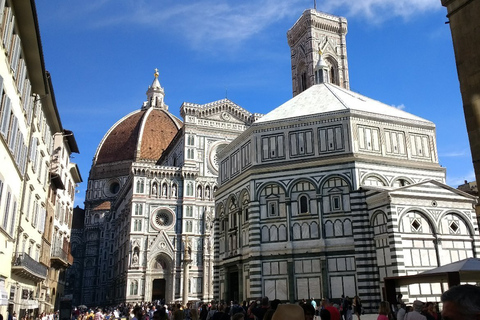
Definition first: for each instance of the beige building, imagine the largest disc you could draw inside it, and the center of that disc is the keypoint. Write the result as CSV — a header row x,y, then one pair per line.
x,y
29,120
64,176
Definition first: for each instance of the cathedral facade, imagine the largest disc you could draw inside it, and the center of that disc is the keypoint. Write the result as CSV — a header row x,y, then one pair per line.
x,y
332,191
149,205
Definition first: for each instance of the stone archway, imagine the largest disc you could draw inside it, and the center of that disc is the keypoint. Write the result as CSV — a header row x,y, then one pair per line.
x,y
159,280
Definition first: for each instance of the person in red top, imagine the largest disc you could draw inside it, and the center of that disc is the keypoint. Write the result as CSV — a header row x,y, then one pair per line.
x,y
334,313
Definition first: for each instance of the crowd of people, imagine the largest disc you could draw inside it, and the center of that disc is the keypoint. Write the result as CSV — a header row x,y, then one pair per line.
x,y
259,309
461,302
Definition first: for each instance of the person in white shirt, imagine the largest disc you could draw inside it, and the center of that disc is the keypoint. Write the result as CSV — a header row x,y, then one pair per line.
x,y
401,312
415,314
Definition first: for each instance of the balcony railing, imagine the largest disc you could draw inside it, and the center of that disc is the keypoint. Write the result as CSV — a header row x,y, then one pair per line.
x,y
61,258
26,267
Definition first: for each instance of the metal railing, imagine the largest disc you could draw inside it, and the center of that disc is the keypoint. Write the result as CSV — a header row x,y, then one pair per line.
x,y
60,253
27,262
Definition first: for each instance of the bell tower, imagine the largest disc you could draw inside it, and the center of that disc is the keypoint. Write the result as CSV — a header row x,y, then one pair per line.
x,y
318,35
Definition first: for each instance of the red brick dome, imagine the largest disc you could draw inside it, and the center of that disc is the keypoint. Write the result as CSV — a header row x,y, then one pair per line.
x,y
141,135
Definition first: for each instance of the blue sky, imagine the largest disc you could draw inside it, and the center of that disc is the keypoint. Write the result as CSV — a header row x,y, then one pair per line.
x,y
102,55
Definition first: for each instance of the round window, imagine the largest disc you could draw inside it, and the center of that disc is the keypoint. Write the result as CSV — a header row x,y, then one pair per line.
x,y
213,155
163,219
114,187
111,188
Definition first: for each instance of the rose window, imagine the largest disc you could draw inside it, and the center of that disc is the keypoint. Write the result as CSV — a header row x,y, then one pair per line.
x,y
163,219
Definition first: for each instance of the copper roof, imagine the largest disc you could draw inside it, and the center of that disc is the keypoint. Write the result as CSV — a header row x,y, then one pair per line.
x,y
106,205
123,140
158,132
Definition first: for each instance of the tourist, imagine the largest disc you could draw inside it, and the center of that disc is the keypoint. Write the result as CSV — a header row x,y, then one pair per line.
x,y
461,302
308,311
357,306
430,312
213,310
259,310
325,314
334,313
415,314
401,311
384,311
99,315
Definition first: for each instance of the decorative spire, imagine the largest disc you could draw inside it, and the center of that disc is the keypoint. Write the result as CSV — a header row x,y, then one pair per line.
x,y
321,69
155,94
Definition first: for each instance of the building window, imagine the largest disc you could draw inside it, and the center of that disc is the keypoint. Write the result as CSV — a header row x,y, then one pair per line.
x,y
420,145
7,211
133,288
272,208
303,204
416,225
245,155
189,211
188,226
138,209
303,80
331,139
301,143
273,147
140,186
336,202
454,227
191,140
369,139
1,191
137,225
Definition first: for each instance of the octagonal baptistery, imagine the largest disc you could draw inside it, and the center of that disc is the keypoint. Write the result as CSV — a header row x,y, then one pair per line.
x,y
330,193
140,136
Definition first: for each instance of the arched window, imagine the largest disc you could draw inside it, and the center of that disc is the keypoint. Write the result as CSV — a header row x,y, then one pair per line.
x,y
303,204
273,234
265,234
333,77
134,287
189,189
314,230
138,209
140,186
303,80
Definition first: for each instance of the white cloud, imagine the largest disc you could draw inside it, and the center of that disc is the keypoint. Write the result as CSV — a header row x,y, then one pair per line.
x,y
455,154
376,11
456,181
400,106
207,22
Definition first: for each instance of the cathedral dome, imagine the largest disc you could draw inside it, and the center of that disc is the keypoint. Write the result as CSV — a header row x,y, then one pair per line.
x,y
142,135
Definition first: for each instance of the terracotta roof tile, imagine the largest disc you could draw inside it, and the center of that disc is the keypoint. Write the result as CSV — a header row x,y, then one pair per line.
x,y
121,143
103,206
158,132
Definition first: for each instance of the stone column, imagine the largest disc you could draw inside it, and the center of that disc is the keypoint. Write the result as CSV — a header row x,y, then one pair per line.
x,y
186,268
